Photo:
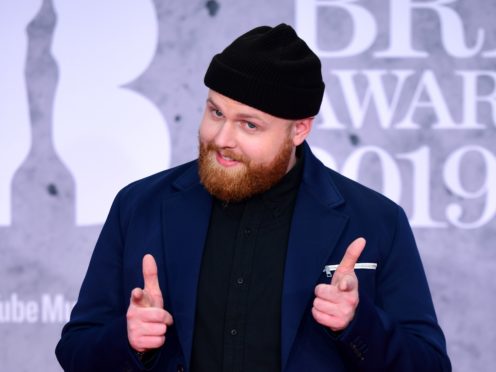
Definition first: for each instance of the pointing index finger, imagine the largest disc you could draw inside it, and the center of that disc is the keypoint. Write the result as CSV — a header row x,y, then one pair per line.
x,y
351,256
150,274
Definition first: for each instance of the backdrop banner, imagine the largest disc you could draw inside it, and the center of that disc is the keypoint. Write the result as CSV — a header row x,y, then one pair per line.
x,y
96,94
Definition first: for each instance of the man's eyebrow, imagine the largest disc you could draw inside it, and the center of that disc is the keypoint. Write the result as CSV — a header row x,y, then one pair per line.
x,y
239,115
210,100
250,116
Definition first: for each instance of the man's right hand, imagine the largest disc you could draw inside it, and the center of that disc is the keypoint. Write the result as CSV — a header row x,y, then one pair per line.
x,y
147,321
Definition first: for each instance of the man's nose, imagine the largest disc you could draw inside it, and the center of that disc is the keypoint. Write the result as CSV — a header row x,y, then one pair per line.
x,y
226,136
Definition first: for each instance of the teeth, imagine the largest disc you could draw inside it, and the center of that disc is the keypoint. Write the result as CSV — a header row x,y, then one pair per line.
x,y
226,157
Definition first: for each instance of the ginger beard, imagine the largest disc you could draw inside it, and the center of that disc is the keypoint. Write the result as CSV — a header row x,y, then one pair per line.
x,y
244,180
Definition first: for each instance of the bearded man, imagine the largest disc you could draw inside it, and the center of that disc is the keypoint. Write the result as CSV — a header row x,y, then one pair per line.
x,y
255,257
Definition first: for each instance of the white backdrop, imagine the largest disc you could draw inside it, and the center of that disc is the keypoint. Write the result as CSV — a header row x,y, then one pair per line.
x,y
96,94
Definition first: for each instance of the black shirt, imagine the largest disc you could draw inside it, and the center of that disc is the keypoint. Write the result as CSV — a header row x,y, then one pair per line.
x,y
238,311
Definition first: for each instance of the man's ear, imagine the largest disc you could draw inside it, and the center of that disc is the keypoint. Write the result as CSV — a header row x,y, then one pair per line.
x,y
302,129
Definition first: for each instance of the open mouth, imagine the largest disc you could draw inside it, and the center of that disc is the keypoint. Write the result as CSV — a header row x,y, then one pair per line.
x,y
225,160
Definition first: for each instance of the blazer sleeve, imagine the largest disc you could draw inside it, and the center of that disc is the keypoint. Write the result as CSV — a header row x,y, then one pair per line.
x,y
95,339
397,330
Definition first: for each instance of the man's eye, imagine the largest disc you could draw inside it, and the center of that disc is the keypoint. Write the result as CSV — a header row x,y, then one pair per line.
x,y
250,125
217,113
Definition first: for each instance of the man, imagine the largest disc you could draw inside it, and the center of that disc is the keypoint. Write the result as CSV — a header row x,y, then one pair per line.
x,y
253,258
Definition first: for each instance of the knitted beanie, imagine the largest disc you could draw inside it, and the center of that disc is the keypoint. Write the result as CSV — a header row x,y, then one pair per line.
x,y
270,69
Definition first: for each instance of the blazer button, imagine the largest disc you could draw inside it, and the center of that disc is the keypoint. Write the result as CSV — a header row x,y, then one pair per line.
x,y
180,368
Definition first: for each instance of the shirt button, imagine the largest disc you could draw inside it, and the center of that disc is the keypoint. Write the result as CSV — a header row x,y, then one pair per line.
x,y
240,281
247,231
180,368
234,332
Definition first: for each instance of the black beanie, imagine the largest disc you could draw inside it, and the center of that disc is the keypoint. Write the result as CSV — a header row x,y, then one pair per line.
x,y
270,69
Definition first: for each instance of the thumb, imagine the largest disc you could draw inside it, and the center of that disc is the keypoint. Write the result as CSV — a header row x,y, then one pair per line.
x,y
348,283
139,298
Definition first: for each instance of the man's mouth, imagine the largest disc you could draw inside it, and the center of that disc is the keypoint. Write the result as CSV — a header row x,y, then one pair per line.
x,y
225,160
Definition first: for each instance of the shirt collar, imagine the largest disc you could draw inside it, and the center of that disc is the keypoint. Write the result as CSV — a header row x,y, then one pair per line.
x,y
289,182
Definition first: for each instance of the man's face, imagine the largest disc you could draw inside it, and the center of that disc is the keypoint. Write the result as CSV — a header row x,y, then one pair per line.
x,y
244,151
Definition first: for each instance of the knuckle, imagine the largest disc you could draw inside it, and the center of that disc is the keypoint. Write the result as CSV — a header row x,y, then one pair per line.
x,y
157,342
343,323
347,313
317,315
316,302
160,341
318,289
320,304
321,317
166,318
322,290
337,323
162,329
131,328
130,315
162,316
132,324
354,302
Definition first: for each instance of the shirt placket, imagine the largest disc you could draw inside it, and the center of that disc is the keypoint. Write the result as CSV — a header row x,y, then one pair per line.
x,y
234,330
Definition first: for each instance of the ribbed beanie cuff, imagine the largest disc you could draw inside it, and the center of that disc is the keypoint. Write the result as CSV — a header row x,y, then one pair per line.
x,y
270,69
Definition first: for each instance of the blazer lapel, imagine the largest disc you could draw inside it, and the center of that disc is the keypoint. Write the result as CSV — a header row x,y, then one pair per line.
x,y
185,217
315,230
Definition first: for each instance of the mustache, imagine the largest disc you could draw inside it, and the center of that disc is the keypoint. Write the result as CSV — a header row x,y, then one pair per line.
x,y
210,147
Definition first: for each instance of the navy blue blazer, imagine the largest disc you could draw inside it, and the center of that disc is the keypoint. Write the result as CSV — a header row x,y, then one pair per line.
x,y
167,215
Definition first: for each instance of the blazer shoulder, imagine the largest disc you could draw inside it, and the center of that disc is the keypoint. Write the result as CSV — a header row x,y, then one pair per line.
x,y
333,188
359,197
160,184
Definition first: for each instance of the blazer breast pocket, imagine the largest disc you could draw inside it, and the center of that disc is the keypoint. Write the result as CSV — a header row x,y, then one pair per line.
x,y
365,272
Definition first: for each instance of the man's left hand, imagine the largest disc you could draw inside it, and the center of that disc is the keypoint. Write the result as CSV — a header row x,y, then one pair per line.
x,y
335,304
